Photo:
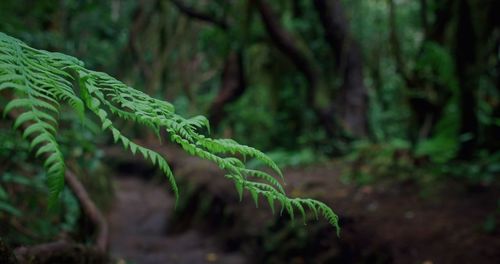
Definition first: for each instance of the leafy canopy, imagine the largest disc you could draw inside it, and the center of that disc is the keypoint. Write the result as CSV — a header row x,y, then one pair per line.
x,y
43,80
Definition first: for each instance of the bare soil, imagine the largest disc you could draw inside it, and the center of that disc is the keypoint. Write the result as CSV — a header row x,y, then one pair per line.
x,y
138,224
389,222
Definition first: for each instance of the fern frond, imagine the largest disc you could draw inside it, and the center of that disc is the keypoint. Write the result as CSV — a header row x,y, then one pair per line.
x,y
231,146
37,88
43,81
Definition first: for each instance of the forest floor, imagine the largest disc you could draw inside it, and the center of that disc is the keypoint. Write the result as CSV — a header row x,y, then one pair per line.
x,y
393,220
139,226
441,224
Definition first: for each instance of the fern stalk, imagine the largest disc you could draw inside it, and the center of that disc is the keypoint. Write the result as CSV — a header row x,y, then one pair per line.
x,y
43,81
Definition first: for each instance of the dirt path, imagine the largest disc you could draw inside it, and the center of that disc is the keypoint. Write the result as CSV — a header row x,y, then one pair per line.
x,y
138,223
388,222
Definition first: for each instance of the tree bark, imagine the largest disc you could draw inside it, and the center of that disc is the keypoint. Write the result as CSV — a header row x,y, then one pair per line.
x,y
199,15
233,74
287,44
352,99
444,15
90,210
466,58
421,109
424,18
233,86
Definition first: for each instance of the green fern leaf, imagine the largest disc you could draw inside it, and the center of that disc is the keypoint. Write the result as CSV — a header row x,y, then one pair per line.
x,y
42,81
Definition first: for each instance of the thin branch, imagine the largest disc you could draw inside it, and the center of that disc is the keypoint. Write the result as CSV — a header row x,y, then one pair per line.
x,y
233,75
90,210
233,86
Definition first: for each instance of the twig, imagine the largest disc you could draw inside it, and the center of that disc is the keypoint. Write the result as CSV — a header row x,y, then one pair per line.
x,y
90,209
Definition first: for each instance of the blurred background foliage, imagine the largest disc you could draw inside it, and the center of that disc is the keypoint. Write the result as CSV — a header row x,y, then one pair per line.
x,y
394,88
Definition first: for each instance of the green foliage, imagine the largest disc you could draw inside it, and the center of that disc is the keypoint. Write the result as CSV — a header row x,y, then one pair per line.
x,y
369,162
395,160
44,81
23,193
482,170
20,204
283,158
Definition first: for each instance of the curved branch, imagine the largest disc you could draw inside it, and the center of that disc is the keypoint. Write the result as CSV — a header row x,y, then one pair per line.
x,y
196,14
90,210
233,86
287,44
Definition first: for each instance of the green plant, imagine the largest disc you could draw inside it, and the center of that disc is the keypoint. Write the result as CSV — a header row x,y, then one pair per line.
x,y
369,162
42,81
23,193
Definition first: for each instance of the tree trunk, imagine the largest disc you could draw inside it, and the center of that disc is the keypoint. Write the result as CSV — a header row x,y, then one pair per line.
x,y
466,58
285,42
352,99
233,74
233,86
